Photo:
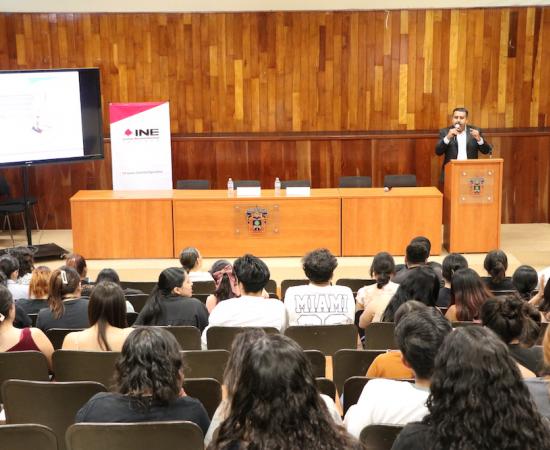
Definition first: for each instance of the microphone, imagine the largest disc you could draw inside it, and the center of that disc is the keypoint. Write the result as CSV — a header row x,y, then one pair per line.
x,y
457,128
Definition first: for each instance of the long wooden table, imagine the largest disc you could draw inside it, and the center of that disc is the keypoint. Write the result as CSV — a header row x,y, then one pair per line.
x,y
158,224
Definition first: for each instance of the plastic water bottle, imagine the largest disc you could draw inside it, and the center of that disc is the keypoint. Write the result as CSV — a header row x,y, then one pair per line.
x,y
230,187
277,186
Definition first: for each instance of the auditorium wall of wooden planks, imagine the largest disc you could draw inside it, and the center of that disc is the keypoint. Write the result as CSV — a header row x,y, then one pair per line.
x,y
272,75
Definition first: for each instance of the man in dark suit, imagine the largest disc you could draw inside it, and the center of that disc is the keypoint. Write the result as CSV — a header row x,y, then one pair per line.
x,y
460,140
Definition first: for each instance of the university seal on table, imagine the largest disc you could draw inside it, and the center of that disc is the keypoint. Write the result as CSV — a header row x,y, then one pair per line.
x,y
256,218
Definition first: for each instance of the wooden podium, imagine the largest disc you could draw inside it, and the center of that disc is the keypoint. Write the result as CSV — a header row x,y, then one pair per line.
x,y
472,205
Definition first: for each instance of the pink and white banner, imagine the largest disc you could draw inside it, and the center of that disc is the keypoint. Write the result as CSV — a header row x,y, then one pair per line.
x,y
140,146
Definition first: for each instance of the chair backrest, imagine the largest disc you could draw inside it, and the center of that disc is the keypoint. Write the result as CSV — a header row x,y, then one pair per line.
x,y
222,337
207,390
205,363
379,437
355,182
131,318
4,187
135,436
285,284
355,283
23,366
57,335
188,337
407,180
503,293
353,387
295,183
326,387
318,362
27,437
246,183
33,317
144,286
52,404
464,323
325,338
76,365
203,287
193,184
271,287
137,300
379,336
350,363
543,327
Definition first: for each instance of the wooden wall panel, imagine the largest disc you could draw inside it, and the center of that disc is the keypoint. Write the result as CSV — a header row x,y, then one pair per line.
x,y
323,75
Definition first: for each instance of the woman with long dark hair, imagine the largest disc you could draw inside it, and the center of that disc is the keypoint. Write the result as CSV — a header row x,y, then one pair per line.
x,y
66,308
170,302
148,379
496,265
108,327
477,401
451,263
468,293
226,283
275,403
374,298
525,280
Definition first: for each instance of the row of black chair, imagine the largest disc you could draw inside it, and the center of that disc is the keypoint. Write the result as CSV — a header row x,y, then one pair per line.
x,y
407,180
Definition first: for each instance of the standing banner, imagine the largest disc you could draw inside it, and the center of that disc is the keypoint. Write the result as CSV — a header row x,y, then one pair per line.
x,y
140,146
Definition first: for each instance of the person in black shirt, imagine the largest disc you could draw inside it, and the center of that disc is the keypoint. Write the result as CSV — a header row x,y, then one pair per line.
x,y
149,379
496,265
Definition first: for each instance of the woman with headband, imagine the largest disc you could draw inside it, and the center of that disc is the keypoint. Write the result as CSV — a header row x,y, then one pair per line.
x,y
226,284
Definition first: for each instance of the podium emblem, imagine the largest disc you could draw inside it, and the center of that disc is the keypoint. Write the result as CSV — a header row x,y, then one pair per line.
x,y
256,218
476,185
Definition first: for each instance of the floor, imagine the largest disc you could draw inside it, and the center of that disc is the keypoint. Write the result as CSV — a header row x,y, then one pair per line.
x,y
523,243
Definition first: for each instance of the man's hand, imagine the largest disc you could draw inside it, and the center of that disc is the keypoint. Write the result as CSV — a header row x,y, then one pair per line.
x,y
475,134
453,132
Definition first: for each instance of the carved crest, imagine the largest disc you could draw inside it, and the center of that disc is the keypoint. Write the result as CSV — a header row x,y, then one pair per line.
x,y
256,218
476,185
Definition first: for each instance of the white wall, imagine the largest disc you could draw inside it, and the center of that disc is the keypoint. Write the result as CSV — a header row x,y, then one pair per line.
x,y
243,5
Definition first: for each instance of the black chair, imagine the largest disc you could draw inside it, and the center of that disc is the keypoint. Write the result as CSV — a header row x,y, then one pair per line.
x,y
351,363
326,387
318,362
26,437
379,437
51,404
246,183
178,435
205,363
193,184
285,284
295,183
30,365
131,318
14,205
355,182
222,337
379,336
33,318
408,180
8,210
144,286
76,365
137,300
57,335
325,338
355,283
189,338
207,390
271,287
203,287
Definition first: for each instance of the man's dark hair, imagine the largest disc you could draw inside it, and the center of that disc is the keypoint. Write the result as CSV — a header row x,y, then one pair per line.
x,y
8,265
417,253
252,272
319,265
422,240
419,336
461,109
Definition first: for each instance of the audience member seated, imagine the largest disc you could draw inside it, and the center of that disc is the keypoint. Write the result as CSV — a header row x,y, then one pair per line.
x,y
22,320
540,387
373,299
78,263
25,257
251,309
66,309
478,400
38,291
525,281
496,265
148,378
416,255
239,348
421,284
468,293
451,263
419,336
112,276
390,364
9,265
170,302
108,327
191,261
515,322
226,284
274,403
15,340
319,302
541,299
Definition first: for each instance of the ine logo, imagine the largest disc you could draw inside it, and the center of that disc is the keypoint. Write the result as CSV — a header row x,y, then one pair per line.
x,y
145,133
